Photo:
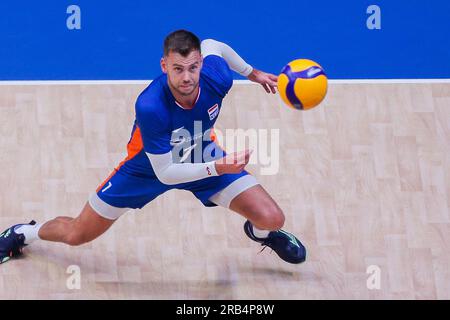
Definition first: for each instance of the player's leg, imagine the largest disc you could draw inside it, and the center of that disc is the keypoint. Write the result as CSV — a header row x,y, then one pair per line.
x,y
258,206
76,231
264,217
113,198
243,194
104,207
72,231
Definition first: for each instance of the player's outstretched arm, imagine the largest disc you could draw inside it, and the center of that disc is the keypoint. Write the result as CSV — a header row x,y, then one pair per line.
x,y
174,173
267,80
238,64
235,61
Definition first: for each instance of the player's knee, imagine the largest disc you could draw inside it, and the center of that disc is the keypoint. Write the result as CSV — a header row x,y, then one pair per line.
x,y
272,218
277,219
76,238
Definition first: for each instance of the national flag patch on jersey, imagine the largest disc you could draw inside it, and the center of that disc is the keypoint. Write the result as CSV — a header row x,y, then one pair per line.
x,y
213,111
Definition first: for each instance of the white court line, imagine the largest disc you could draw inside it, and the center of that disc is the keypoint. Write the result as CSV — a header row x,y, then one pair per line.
x,y
144,82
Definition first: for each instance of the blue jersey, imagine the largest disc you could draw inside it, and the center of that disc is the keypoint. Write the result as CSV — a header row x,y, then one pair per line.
x,y
157,130
160,120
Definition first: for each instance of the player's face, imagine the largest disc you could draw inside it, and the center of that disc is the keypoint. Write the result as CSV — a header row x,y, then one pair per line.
x,y
183,73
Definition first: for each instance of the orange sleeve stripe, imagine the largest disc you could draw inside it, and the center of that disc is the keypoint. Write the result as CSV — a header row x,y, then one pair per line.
x,y
214,139
133,148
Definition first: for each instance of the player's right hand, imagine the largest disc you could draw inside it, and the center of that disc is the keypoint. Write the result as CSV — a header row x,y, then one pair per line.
x,y
234,162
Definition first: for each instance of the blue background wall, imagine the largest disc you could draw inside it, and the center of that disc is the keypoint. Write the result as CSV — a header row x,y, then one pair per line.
x,y
123,39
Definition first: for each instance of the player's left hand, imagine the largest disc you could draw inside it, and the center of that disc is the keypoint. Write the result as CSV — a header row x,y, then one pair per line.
x,y
267,80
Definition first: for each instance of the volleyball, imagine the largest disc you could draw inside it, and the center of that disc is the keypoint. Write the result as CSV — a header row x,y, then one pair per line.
x,y
302,84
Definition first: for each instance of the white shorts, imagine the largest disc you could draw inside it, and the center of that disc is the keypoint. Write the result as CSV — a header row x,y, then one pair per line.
x,y
222,198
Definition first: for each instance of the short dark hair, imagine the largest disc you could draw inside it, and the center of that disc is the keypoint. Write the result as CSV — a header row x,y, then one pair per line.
x,y
182,42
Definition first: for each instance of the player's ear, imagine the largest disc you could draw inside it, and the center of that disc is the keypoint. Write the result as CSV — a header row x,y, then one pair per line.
x,y
163,65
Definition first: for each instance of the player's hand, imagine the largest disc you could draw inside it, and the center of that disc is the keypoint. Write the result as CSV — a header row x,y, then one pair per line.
x,y
267,80
234,162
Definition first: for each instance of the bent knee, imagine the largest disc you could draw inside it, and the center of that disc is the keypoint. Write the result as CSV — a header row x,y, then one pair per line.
x,y
76,238
271,218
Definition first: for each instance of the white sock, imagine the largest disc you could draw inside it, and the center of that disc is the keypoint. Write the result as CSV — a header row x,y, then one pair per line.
x,y
30,232
262,234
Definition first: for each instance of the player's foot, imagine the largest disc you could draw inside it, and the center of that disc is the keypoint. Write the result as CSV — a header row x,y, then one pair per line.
x,y
286,245
11,243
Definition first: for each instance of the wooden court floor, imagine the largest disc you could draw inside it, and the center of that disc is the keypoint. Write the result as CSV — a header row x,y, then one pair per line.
x,y
364,180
